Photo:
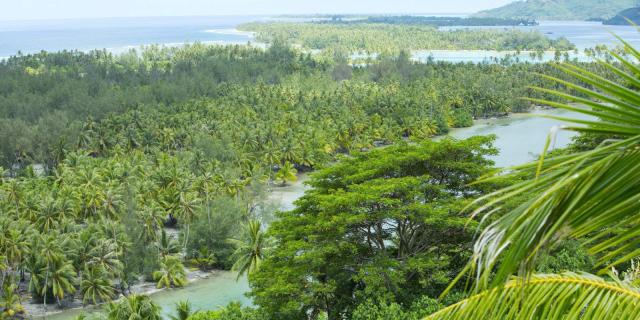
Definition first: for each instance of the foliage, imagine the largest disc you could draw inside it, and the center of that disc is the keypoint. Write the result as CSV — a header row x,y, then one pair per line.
x,y
95,286
560,9
567,186
108,153
562,296
569,255
431,21
385,224
383,311
392,38
134,307
11,304
183,311
251,250
245,105
287,173
624,16
209,246
233,311
171,273
591,194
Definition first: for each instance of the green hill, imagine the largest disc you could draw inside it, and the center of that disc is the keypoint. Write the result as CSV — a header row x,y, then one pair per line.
x,y
560,9
632,14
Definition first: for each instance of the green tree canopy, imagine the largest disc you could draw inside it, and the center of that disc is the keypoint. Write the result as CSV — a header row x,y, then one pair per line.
x,y
384,225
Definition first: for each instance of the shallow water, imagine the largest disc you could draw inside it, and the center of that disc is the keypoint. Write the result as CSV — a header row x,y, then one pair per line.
x,y
520,138
584,34
221,288
284,197
208,294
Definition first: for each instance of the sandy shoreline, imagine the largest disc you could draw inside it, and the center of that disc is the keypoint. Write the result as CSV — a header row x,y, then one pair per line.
x,y
37,310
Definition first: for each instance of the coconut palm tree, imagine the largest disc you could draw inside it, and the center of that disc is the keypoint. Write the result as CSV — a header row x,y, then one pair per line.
x,y
171,273
166,245
183,311
3,264
3,267
287,173
151,219
15,246
187,208
591,194
95,286
105,256
250,251
139,307
59,278
11,306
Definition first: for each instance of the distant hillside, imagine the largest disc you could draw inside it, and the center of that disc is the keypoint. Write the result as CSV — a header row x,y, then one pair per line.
x,y
632,14
561,9
431,21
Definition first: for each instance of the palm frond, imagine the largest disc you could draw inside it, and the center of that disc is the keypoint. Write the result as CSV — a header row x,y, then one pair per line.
x,y
573,195
565,296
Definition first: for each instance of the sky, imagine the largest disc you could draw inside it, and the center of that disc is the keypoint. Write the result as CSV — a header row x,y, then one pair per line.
x,y
68,9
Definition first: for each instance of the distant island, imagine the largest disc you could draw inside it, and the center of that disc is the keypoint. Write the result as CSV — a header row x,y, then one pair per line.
x,y
620,19
560,9
393,38
429,21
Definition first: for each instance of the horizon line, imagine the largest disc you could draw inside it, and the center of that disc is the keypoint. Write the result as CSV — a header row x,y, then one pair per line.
x,y
239,15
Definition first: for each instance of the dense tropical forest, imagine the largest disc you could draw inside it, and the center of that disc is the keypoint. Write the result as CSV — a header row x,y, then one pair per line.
x,y
392,38
143,166
560,9
174,99
422,20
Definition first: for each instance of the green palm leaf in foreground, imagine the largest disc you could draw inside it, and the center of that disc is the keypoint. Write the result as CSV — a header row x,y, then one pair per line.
x,y
592,195
585,193
566,296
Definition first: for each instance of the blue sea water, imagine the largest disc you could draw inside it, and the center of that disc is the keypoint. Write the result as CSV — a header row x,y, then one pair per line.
x,y
117,34
121,34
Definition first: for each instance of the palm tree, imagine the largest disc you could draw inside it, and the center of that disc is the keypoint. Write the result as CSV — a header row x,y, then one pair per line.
x,y
187,208
171,273
151,218
593,193
11,306
49,247
166,245
3,264
48,215
183,311
15,246
105,256
139,307
59,277
95,285
251,250
83,244
287,173
3,267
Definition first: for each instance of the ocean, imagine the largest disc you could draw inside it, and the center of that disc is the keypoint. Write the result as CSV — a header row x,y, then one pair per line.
x,y
118,35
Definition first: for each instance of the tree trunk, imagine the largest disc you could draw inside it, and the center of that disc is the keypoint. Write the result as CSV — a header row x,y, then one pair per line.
x,y
186,238
44,301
